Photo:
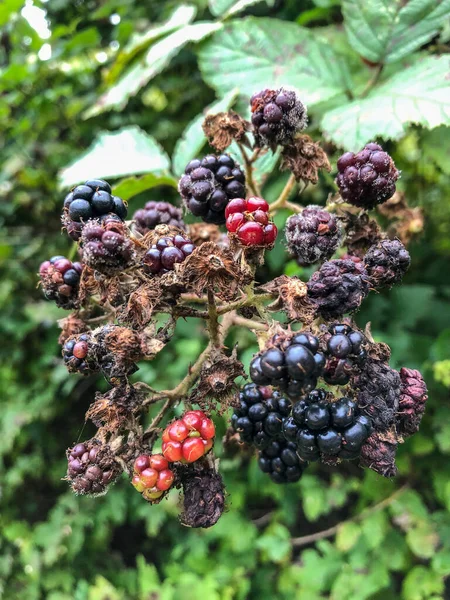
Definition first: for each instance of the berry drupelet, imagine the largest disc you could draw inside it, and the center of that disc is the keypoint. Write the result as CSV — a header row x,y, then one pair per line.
x,y
189,438
166,253
313,235
277,115
106,245
157,213
386,263
338,287
259,417
345,353
76,354
249,223
91,200
91,467
60,279
322,427
291,364
152,476
281,462
367,178
209,184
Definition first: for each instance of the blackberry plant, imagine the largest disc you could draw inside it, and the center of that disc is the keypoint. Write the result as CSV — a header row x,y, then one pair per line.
x,y
321,390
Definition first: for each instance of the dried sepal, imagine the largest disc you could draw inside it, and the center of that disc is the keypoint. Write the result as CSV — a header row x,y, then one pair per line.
x,y
361,233
408,221
140,305
291,296
70,326
114,410
211,268
304,158
224,127
199,233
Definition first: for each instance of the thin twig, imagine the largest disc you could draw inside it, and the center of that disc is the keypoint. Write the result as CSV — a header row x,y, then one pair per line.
x,y
248,164
280,202
250,324
213,322
326,533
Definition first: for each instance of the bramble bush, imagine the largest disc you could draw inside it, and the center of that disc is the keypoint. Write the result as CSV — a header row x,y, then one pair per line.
x,y
248,359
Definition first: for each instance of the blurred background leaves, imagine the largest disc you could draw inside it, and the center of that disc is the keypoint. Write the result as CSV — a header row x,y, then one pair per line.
x,y
119,88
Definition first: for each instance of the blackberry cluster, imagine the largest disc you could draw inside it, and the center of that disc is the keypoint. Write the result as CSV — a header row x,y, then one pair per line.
x,y
338,287
166,253
60,279
152,476
75,354
345,352
91,200
259,417
387,262
249,222
321,427
209,184
367,178
281,462
91,467
188,439
277,115
106,245
157,213
312,236
291,364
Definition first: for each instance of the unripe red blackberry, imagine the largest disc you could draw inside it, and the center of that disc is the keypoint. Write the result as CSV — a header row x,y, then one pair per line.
x,y
91,200
157,213
313,235
209,184
367,178
166,253
189,438
345,353
152,477
277,115
60,279
413,396
91,467
291,364
281,462
322,426
338,287
387,262
259,416
249,223
106,246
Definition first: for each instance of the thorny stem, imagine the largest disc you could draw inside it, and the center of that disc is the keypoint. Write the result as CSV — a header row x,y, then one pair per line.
x,y
213,322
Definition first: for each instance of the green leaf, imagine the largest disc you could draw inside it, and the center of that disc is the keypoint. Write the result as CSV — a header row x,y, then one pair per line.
x,y
347,536
127,151
423,540
419,94
155,61
132,186
384,31
421,583
7,8
275,543
226,8
193,138
441,371
250,53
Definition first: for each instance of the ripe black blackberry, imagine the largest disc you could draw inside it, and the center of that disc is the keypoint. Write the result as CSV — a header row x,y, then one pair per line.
x,y
313,235
345,353
259,417
338,287
281,462
157,213
367,178
91,467
91,200
166,253
277,115
209,184
106,245
291,363
321,427
60,279
387,262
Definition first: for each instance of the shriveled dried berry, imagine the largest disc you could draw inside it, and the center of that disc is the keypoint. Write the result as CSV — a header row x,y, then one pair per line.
x,y
386,263
413,397
157,213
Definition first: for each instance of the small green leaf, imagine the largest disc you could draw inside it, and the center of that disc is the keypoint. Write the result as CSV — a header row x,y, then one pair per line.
x,y
275,543
384,31
127,151
251,52
347,536
421,583
441,370
132,186
419,94
422,540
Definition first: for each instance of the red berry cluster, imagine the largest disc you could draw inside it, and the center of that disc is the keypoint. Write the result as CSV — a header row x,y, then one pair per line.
x,y
152,476
60,279
189,438
249,220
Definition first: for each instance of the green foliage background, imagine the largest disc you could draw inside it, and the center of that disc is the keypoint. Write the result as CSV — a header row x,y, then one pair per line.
x,y
147,84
